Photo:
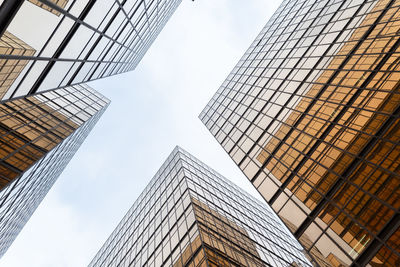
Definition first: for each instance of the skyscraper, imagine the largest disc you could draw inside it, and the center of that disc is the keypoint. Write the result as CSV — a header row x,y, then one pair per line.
x,y
39,136
48,49
310,114
189,215
67,42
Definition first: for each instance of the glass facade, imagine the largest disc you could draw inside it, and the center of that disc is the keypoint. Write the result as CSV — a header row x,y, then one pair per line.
x,y
189,215
311,116
75,41
11,68
39,134
32,126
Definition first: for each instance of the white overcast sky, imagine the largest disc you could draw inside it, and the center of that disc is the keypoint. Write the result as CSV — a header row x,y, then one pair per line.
x,y
153,109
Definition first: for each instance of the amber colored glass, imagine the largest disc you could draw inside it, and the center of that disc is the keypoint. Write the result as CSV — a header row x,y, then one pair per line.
x,y
11,68
311,116
359,123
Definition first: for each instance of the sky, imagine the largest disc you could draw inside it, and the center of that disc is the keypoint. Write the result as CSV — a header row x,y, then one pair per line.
x,y
153,109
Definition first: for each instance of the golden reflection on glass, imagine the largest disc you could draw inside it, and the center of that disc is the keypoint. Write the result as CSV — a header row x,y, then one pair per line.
x,y
30,127
377,175
227,242
11,68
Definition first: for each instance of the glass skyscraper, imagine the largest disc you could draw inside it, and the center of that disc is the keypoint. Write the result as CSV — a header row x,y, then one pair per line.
x,y
310,114
189,215
39,136
65,42
48,50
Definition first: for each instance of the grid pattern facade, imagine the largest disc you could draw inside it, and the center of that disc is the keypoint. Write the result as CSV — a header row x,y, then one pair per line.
x,y
82,108
88,40
11,68
311,116
32,126
189,215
